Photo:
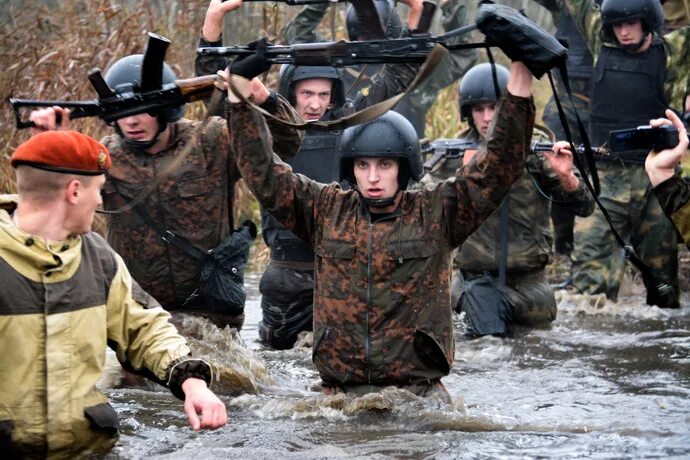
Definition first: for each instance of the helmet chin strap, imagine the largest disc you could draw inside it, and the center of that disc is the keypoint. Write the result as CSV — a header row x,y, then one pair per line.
x,y
380,202
143,145
635,46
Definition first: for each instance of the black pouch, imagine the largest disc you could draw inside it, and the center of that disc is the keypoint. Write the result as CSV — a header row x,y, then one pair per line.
x,y
486,305
221,277
103,417
519,38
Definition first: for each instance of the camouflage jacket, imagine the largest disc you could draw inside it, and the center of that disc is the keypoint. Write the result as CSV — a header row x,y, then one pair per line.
x,y
674,198
194,202
382,311
529,232
588,18
61,305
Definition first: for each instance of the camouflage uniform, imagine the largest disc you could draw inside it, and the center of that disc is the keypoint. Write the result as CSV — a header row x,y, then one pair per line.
x,y
676,13
529,237
381,295
302,29
60,306
674,197
625,188
194,202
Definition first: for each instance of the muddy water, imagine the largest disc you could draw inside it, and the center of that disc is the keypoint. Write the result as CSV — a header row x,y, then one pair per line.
x,y
606,381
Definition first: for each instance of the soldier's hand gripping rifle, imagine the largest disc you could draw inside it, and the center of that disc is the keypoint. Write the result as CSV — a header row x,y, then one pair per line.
x,y
151,96
445,149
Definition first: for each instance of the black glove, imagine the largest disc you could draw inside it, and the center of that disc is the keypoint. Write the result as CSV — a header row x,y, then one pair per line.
x,y
254,64
519,38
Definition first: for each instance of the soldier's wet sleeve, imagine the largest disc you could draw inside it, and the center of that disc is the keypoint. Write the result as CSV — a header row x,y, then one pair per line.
x,y
288,197
677,84
302,28
588,20
209,65
479,187
139,332
674,197
286,140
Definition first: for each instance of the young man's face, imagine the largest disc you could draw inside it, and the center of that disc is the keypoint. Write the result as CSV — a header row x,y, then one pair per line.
x,y
482,114
90,199
312,97
142,127
377,178
629,33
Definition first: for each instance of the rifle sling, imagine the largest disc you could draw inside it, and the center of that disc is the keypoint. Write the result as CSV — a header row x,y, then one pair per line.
x,y
432,61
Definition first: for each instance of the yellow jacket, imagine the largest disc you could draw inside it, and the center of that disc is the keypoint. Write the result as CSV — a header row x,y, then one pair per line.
x,y
61,304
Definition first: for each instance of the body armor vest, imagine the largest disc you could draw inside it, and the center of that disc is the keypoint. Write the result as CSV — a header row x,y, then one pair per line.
x,y
627,90
318,159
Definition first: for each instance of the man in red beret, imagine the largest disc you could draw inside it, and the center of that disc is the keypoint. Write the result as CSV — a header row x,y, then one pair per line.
x,y
66,294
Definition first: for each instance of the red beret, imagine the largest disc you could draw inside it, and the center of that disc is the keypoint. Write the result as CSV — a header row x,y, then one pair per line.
x,y
67,152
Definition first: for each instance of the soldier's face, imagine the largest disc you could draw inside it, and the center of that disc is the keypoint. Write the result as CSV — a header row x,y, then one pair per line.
x,y
376,177
482,114
629,32
312,97
142,127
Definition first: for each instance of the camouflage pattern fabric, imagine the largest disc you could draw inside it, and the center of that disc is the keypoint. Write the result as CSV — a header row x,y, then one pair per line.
x,y
676,13
529,236
637,216
674,198
194,202
381,293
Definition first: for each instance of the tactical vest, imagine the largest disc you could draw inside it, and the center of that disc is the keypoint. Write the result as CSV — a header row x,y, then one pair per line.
x,y
627,90
580,63
317,159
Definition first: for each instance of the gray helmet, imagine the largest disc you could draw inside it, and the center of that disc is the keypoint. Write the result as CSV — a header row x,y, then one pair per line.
x,y
391,136
291,74
649,12
125,76
387,14
477,87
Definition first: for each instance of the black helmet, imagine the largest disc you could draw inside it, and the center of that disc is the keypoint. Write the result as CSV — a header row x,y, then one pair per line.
x,y
389,19
477,87
649,12
291,74
125,76
392,136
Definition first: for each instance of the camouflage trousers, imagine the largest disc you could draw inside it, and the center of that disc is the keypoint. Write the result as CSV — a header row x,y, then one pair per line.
x,y
598,262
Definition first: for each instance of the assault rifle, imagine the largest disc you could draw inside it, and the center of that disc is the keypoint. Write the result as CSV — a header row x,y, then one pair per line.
x,y
150,96
449,149
114,106
413,49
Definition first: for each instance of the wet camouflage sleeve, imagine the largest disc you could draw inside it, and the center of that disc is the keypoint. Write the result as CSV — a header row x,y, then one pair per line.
x,y
479,187
674,198
302,28
288,197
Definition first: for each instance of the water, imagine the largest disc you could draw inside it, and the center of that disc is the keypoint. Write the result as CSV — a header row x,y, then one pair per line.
x,y
606,381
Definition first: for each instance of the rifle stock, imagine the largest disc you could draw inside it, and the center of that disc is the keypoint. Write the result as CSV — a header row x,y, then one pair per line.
x,y
117,106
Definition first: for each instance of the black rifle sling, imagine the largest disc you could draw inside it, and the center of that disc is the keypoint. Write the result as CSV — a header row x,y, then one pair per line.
x,y
644,269
432,61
